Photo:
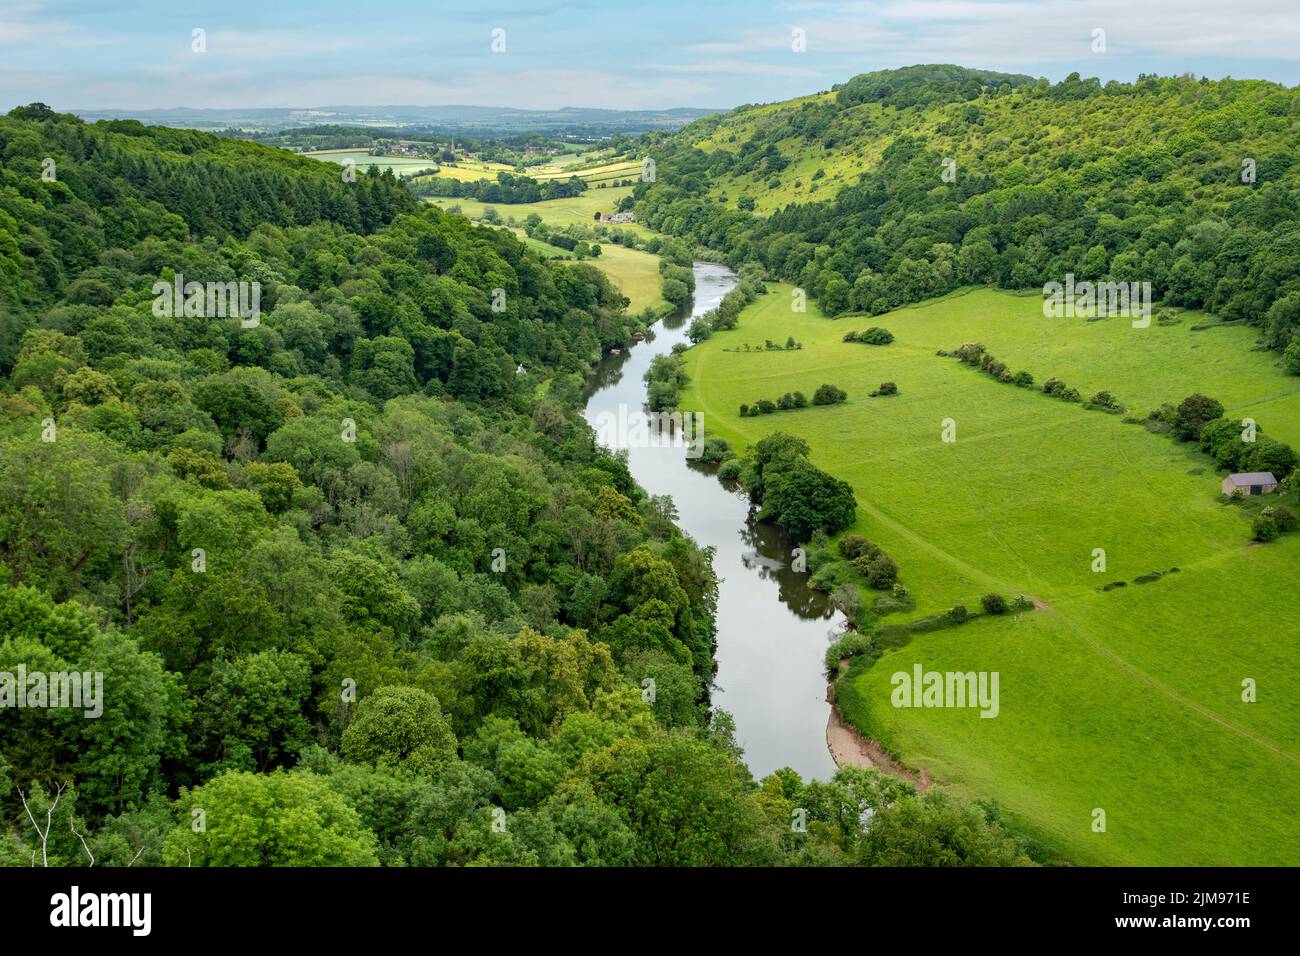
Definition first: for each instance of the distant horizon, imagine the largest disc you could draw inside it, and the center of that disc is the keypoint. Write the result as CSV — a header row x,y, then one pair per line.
x,y
389,106
363,107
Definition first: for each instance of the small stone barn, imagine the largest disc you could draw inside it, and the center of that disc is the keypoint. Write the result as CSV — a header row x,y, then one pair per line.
x,y
1250,483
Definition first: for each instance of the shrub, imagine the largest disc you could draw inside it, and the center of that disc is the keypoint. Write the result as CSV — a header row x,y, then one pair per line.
x,y
1023,379
850,645
1282,516
886,388
1193,413
829,395
730,470
1264,528
956,615
994,603
716,450
872,336
848,600
881,572
855,546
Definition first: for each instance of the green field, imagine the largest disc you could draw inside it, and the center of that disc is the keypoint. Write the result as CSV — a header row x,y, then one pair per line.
x,y
602,173
400,165
575,211
635,273
1127,700
470,170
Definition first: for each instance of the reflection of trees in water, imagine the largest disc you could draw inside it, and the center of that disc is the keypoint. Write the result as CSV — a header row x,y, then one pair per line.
x,y
609,372
679,315
769,555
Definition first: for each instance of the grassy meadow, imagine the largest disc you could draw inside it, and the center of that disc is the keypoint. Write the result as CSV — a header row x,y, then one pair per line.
x,y
1127,700
400,165
635,273
575,211
601,173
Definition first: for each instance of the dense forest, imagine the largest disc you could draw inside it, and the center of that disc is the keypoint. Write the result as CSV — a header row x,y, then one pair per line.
x,y
950,177
360,584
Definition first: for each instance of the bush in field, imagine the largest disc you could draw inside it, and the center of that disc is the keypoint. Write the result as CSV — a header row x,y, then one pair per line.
x,y
1194,412
880,571
1282,516
829,395
886,388
957,615
872,336
855,546
994,603
1265,528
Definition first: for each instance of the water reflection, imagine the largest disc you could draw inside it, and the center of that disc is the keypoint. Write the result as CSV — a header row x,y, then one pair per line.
x,y
772,630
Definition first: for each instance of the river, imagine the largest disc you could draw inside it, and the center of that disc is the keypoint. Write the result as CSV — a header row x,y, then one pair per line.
x,y
773,630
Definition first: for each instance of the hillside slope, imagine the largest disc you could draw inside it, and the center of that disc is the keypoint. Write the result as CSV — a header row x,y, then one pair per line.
x,y
903,185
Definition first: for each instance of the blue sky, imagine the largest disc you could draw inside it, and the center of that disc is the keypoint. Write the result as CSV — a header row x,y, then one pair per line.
x,y
604,53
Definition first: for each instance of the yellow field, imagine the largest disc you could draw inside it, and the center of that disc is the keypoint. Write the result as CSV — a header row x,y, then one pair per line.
x,y
576,211
470,171
623,169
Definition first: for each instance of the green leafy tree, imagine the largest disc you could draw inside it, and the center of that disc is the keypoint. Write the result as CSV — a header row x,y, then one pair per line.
x,y
400,728
276,819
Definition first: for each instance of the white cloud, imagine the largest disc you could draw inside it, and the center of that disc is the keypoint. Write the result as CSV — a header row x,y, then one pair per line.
x,y
977,31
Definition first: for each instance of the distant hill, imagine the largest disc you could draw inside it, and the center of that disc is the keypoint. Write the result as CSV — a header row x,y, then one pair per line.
x,y
478,120
901,185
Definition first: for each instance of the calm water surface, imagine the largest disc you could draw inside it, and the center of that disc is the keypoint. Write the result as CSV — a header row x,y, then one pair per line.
x,y
772,630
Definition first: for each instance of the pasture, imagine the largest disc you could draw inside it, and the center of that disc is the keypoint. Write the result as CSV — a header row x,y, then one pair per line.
x,y
400,165
556,213
1128,701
